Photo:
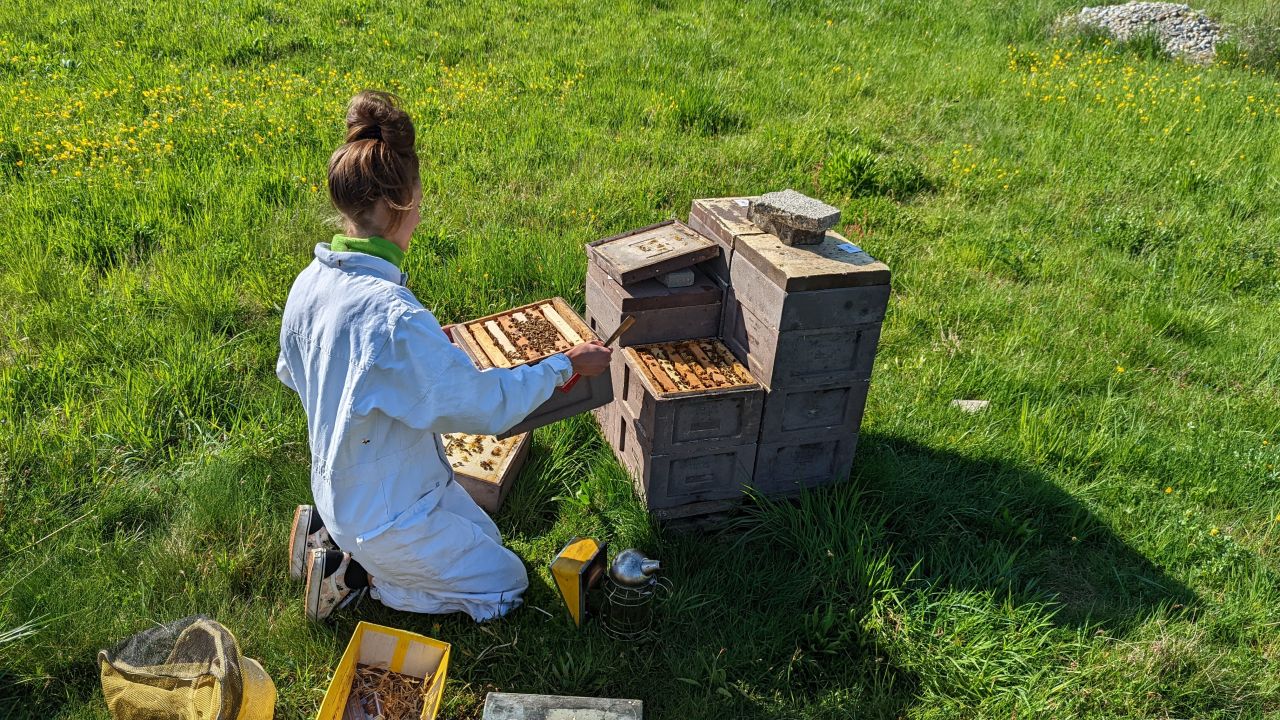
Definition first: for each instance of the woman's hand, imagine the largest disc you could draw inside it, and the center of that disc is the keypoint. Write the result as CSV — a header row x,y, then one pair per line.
x,y
589,359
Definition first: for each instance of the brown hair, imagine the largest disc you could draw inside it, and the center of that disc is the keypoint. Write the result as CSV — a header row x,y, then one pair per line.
x,y
378,160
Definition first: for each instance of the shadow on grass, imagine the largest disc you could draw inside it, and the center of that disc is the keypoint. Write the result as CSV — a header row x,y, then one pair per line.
x,y
987,524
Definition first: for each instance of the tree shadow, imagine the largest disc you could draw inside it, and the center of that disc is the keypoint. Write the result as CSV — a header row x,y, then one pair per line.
x,y
984,523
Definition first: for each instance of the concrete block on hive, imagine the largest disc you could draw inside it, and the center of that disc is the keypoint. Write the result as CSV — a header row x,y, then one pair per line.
x,y
661,313
677,278
485,466
799,358
804,310
795,218
691,394
527,335
692,475
723,220
798,414
787,468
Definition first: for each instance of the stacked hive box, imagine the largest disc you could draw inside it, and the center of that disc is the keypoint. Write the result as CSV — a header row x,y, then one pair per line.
x,y
806,321
688,415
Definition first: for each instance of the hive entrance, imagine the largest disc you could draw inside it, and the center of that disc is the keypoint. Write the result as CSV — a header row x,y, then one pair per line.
x,y
691,365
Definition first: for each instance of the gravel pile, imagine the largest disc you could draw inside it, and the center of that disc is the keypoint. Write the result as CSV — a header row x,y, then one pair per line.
x,y
1184,33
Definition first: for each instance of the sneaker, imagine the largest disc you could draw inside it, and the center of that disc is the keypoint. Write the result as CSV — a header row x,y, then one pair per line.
x,y
309,533
326,589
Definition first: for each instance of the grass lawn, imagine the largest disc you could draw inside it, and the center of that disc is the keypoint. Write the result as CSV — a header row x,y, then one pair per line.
x,y
1082,235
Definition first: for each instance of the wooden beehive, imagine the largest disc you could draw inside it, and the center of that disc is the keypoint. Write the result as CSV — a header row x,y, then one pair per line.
x,y
523,335
485,466
527,335
691,393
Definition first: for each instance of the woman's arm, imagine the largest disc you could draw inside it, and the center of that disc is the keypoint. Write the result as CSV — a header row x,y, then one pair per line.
x,y
426,382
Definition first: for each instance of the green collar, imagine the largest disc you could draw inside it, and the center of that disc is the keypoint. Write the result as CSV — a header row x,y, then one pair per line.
x,y
375,246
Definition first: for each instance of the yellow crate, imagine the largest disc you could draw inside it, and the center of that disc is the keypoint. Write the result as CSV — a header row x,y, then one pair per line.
x,y
400,651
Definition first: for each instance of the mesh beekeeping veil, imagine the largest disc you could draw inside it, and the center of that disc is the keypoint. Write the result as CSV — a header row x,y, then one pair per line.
x,y
189,669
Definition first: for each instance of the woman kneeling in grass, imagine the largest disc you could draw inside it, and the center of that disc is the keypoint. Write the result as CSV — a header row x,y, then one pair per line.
x,y
380,382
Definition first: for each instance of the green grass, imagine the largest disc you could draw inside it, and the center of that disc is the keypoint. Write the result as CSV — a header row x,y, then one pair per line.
x,y
1083,235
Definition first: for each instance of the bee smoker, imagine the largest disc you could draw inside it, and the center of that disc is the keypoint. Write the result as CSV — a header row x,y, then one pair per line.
x,y
629,594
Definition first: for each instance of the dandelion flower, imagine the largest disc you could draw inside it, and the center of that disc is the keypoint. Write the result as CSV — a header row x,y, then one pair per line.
x,y
1119,368
1168,490
1214,531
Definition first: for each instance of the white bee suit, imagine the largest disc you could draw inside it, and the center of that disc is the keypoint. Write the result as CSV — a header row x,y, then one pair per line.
x,y
380,382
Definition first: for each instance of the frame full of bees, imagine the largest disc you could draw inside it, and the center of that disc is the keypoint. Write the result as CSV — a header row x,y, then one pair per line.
x,y
485,466
529,334
526,334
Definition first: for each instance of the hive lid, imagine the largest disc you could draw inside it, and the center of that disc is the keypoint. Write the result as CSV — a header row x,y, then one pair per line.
x,y
688,367
835,263
651,251
653,295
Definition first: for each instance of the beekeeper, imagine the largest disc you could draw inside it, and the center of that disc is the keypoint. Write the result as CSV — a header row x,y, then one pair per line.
x,y
380,382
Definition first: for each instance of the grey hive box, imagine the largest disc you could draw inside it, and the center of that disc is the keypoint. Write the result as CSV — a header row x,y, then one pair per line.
x,y
787,468
834,263
692,475
515,706
661,313
651,251
673,419
799,358
815,412
495,341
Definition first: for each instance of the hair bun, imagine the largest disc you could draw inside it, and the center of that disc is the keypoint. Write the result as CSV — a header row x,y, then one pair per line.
x,y
377,115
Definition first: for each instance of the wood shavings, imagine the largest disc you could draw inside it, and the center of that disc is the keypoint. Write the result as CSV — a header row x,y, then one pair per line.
x,y
385,695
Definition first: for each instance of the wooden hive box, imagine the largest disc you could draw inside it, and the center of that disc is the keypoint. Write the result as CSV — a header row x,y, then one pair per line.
x,y
661,313
813,413
527,335
693,475
689,394
800,358
485,466
397,650
763,290
787,468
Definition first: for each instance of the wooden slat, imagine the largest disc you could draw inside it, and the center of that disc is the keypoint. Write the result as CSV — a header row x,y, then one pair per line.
x,y
683,367
697,367
664,358
562,343
570,335
656,373
487,346
517,338
503,341
716,376
739,372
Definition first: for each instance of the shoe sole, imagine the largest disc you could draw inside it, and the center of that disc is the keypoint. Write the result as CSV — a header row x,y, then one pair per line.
x,y
298,541
311,596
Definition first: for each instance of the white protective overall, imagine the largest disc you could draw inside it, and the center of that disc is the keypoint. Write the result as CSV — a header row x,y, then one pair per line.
x,y
380,382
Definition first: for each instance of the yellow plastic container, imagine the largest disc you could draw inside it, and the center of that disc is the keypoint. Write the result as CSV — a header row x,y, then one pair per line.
x,y
400,651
